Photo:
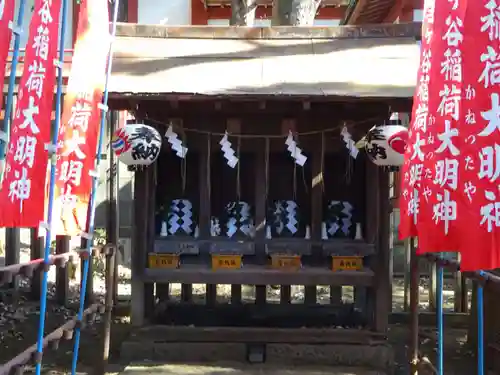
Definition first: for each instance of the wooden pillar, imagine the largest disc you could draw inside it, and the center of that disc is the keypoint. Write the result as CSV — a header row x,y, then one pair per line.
x,y
199,13
149,298
414,293
139,247
205,206
260,212
316,210
12,251
113,222
62,279
89,289
371,225
233,126
36,252
382,271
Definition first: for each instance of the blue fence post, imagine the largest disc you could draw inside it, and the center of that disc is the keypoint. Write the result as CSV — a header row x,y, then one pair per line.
x,y
17,31
88,259
53,161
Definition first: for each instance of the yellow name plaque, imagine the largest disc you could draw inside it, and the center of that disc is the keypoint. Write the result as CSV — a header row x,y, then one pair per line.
x,y
226,262
163,260
348,263
286,262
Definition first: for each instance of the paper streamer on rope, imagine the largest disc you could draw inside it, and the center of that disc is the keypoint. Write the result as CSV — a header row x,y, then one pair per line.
x,y
295,151
347,221
285,215
180,216
176,143
339,222
239,218
229,153
350,145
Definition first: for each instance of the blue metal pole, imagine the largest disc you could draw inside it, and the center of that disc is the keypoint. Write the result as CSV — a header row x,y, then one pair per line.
x,y
439,301
12,82
88,259
53,161
480,329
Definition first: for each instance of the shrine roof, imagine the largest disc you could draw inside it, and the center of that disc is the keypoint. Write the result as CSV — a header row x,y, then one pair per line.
x,y
367,61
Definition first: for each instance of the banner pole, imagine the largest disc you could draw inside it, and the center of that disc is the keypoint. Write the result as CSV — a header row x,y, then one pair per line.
x,y
53,160
439,312
95,180
480,327
5,133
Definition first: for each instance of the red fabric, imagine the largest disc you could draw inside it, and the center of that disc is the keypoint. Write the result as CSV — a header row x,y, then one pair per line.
x,y
480,133
81,118
412,171
438,229
430,176
23,187
464,189
6,16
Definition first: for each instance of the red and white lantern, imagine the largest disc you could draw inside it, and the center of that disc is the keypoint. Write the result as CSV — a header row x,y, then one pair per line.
x,y
385,144
136,144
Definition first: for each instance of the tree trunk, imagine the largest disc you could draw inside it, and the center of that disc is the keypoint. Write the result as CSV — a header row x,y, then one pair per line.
x,y
294,12
243,12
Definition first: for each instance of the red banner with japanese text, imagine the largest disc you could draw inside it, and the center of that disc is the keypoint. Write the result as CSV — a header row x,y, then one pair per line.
x,y
6,20
480,134
23,187
78,135
430,185
412,171
439,231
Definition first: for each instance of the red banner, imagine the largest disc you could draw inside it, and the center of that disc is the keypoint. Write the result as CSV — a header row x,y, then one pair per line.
x,y
412,170
430,186
6,17
438,230
480,132
23,187
78,134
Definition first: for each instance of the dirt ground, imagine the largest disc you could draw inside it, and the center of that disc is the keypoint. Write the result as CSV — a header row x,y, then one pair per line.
x,y
19,322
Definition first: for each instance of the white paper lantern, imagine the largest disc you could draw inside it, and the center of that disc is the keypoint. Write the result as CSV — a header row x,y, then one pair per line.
x,y
136,144
385,144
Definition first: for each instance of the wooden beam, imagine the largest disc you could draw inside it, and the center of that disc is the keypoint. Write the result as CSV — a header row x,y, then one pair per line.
x,y
396,10
275,110
400,30
357,11
262,12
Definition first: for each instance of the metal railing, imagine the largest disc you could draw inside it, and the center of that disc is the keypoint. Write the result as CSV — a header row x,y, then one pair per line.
x,y
483,281
65,332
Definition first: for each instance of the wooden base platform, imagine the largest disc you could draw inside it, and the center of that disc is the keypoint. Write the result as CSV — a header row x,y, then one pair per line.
x,y
289,347
236,368
259,275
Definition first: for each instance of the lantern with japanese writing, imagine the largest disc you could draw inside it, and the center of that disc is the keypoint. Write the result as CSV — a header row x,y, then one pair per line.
x,y
385,144
136,144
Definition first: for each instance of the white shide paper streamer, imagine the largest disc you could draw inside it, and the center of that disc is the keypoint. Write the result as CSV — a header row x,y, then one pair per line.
x,y
228,151
350,145
176,143
295,152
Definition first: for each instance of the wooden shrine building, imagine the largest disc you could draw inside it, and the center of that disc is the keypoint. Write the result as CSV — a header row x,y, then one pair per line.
x,y
258,85
325,223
